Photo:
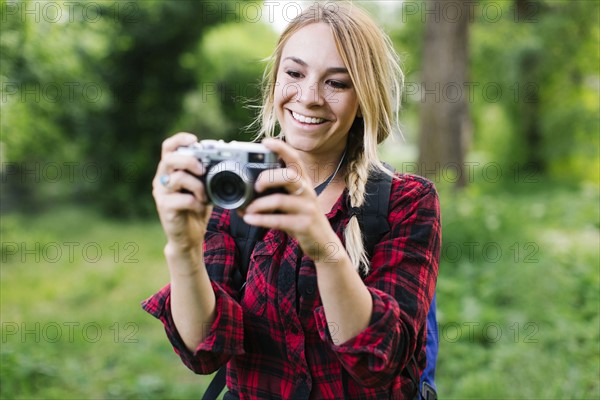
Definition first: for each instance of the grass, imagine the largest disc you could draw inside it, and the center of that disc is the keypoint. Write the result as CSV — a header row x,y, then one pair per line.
x,y
518,293
517,296
72,326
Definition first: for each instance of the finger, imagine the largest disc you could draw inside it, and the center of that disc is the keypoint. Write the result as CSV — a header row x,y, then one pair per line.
x,y
276,221
177,202
288,154
174,161
180,139
281,203
182,181
288,178
183,184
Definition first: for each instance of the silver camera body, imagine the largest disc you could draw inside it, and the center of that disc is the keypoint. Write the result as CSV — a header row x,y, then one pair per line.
x,y
231,169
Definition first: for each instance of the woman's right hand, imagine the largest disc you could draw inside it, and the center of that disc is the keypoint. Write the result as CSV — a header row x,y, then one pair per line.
x,y
183,215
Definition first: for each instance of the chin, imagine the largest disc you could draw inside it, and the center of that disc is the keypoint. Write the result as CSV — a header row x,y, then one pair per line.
x,y
300,143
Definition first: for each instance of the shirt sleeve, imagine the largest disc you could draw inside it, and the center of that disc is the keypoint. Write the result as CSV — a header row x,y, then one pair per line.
x,y
225,337
402,279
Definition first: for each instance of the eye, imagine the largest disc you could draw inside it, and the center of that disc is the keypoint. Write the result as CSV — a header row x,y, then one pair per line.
x,y
338,84
293,74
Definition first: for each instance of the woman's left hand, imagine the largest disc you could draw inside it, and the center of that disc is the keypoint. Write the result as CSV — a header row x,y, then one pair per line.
x,y
296,212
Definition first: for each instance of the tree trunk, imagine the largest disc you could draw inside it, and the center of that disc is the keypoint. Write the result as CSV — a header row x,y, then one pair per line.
x,y
528,101
445,126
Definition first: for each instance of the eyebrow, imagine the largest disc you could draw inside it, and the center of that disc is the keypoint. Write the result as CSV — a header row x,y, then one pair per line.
x,y
332,70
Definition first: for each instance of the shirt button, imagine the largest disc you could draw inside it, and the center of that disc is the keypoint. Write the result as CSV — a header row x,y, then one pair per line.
x,y
309,290
294,330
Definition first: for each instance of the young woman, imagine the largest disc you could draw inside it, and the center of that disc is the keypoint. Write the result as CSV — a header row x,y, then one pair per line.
x,y
317,318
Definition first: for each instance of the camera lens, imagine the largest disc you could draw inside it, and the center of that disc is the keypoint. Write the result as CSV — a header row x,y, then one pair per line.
x,y
228,187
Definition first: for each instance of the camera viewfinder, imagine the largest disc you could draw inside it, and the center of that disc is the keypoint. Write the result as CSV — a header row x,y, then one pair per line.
x,y
256,157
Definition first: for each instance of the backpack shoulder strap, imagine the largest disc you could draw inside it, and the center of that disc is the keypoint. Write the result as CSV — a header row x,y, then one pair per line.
x,y
374,224
245,237
373,217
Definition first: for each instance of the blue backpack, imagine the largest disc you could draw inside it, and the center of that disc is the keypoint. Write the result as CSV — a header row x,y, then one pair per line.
x,y
373,223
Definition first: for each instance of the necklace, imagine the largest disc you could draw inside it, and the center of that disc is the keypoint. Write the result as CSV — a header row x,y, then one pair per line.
x,y
322,186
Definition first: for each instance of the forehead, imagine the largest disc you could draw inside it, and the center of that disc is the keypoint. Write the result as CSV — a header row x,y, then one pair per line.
x,y
315,45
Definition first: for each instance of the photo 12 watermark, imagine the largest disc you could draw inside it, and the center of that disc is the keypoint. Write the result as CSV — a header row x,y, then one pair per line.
x,y
272,12
470,92
472,171
52,92
474,332
491,252
454,11
35,172
69,332
489,332
90,92
58,252
62,12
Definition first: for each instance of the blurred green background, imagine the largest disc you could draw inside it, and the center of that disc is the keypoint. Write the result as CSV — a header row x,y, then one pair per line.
x,y
90,89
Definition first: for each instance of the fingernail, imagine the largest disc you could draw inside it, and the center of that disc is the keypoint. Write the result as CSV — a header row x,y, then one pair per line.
x,y
249,219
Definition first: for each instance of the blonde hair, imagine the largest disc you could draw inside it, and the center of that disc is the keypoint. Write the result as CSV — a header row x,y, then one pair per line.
x,y
376,75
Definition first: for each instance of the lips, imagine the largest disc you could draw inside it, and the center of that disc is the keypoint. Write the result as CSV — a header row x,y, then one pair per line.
x,y
306,119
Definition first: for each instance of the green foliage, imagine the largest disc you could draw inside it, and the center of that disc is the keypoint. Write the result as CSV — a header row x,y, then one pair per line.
x,y
48,89
533,91
104,89
548,90
517,292
72,326
150,83
229,63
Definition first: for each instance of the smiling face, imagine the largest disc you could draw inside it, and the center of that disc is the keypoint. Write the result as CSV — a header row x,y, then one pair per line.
x,y
314,98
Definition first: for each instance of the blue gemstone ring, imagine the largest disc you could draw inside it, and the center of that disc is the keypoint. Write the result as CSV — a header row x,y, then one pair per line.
x,y
164,180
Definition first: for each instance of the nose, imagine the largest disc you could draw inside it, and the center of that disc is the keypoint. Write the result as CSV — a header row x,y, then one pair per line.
x,y
310,94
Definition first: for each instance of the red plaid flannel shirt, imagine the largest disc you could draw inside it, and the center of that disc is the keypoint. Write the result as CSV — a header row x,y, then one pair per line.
x,y
276,339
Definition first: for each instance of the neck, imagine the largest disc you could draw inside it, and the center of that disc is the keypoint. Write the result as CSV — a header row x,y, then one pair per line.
x,y
321,168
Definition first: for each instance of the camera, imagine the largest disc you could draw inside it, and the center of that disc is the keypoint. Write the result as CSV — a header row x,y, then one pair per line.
x,y
231,169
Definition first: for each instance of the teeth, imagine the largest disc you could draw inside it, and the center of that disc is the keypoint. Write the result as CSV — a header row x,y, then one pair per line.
x,y
307,120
